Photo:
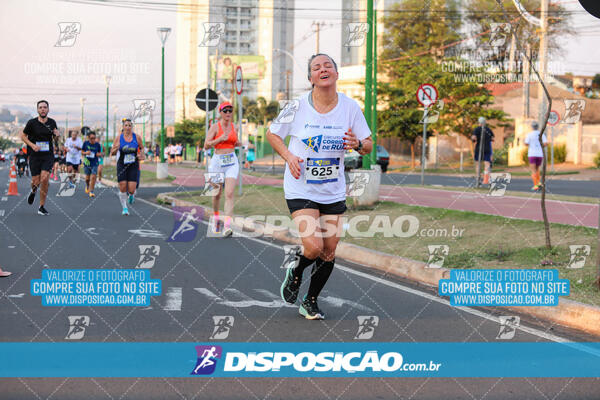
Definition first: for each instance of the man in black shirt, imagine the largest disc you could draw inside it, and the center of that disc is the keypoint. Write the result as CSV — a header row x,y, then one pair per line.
x,y
485,151
39,135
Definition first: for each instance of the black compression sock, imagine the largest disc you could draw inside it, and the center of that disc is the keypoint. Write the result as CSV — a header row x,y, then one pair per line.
x,y
320,274
302,265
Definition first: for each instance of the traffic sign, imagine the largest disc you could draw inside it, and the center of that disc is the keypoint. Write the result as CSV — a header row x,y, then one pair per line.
x,y
427,94
553,118
170,131
239,81
213,100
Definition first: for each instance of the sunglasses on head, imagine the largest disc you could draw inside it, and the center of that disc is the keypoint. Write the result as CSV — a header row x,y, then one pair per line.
x,y
227,110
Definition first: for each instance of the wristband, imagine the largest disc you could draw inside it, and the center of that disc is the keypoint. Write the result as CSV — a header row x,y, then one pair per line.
x,y
360,145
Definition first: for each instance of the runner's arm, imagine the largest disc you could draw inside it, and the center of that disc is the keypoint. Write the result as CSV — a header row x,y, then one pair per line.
x,y
141,156
278,145
210,140
28,142
114,148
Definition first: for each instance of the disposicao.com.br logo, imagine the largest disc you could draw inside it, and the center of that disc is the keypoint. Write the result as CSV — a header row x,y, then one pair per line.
x,y
312,363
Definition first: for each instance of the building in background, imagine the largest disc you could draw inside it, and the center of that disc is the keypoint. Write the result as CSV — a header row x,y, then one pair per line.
x,y
253,29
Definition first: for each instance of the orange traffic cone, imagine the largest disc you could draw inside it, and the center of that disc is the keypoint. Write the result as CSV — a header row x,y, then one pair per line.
x,y
13,189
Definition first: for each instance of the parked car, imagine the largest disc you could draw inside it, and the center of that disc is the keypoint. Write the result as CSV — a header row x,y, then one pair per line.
x,y
353,160
2,157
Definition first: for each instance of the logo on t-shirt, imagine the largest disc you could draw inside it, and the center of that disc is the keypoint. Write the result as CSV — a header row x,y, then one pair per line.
x,y
313,142
324,143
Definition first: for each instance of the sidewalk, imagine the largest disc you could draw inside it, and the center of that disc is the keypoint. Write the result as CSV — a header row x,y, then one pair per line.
x,y
563,212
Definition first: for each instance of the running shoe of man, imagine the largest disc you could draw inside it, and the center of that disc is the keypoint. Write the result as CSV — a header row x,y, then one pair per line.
x,y
290,286
131,199
31,197
310,310
125,211
42,211
92,195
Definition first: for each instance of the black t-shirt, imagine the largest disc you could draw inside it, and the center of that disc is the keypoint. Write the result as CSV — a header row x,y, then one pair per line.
x,y
42,133
487,142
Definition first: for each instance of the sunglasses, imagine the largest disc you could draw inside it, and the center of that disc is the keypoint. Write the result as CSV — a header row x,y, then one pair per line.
x,y
227,110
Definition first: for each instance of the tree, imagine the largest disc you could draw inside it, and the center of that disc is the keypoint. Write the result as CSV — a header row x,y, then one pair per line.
x,y
481,14
407,67
6,143
259,111
190,131
596,81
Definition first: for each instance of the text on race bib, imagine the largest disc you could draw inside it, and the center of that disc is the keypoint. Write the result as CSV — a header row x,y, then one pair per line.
x,y
226,160
44,146
129,159
322,170
91,155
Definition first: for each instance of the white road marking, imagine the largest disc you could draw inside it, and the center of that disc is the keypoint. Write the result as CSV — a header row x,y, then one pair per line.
x,y
174,299
1,213
148,233
11,247
16,296
481,314
4,198
247,302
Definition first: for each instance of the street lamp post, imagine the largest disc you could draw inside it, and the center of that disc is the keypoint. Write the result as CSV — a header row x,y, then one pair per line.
x,y
107,81
115,108
161,169
82,101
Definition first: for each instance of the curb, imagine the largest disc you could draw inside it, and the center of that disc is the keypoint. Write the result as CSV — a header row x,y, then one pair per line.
x,y
568,313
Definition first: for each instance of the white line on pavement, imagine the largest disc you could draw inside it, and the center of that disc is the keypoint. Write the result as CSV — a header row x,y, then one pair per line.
x,y
4,198
1,213
173,302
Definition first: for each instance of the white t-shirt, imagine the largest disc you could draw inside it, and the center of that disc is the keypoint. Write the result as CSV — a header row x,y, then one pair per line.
x,y
535,150
318,139
73,154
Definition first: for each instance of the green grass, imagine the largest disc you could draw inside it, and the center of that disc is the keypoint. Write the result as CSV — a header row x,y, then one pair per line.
x,y
486,241
110,172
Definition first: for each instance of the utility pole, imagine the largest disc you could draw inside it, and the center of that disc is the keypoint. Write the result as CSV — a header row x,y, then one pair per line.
x,y
287,83
317,29
82,101
114,122
182,99
526,75
369,77
543,60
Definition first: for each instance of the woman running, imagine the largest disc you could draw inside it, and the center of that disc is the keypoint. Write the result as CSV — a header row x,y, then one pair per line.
x,y
128,164
223,138
325,124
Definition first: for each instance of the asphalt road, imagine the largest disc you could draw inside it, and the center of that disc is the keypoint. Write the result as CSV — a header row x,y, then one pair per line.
x,y
238,277
558,185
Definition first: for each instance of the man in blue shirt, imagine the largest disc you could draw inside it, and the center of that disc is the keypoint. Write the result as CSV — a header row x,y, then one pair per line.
x,y
91,150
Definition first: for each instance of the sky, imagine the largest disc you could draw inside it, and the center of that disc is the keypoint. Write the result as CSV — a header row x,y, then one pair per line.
x,y
123,43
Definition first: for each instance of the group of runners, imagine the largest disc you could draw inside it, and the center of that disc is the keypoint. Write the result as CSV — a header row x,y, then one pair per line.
x,y
325,125
314,182
47,159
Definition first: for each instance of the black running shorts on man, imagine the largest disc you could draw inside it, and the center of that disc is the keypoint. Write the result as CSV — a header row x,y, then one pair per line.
x,y
339,207
37,164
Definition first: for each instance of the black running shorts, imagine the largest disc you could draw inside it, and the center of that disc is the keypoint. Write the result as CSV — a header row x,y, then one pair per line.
x,y
37,164
324,209
128,172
